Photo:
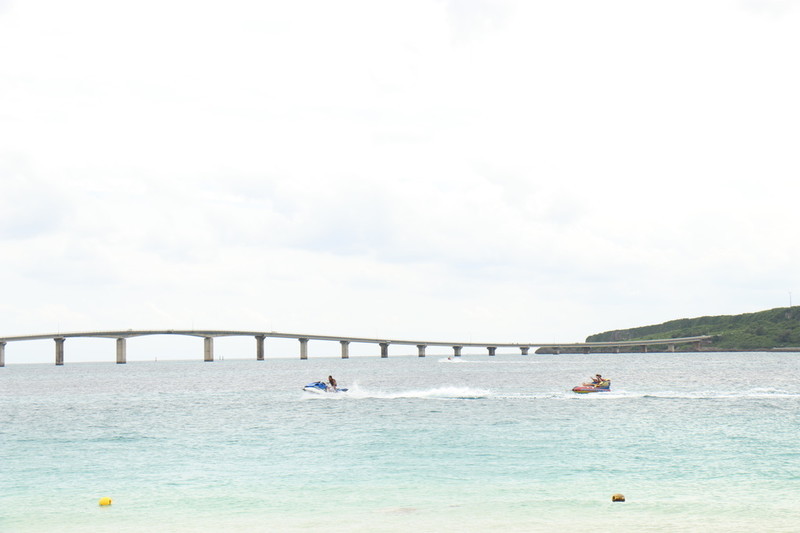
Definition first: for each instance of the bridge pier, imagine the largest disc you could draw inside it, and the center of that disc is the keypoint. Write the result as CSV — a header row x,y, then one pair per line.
x,y
121,351
260,347
208,349
59,350
524,349
345,349
303,348
587,350
492,349
2,353
671,348
644,348
384,349
457,351
421,349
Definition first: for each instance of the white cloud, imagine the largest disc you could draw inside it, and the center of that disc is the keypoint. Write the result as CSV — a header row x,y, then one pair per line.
x,y
774,8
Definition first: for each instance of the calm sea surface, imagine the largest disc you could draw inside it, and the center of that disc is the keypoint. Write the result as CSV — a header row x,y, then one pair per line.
x,y
695,442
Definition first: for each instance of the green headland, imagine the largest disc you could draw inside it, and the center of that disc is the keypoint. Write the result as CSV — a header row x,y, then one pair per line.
x,y
774,329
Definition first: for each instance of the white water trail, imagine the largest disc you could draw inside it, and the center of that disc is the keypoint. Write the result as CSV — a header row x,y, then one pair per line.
x,y
437,393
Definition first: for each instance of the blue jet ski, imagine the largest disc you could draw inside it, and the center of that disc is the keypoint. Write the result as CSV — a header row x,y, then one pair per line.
x,y
320,387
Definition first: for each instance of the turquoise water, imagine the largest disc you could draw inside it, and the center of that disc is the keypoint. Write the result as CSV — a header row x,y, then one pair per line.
x,y
695,442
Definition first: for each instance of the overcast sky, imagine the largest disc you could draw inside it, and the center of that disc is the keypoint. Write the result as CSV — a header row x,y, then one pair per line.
x,y
509,171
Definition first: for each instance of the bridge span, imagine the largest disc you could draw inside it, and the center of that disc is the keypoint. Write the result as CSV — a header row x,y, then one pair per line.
x,y
208,337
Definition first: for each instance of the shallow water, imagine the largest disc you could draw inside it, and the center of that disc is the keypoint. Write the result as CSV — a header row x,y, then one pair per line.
x,y
696,442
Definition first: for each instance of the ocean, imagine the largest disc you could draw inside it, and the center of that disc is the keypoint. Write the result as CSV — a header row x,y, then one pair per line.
x,y
694,441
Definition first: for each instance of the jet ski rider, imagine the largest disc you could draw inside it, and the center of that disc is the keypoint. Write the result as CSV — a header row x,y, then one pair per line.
x,y
332,383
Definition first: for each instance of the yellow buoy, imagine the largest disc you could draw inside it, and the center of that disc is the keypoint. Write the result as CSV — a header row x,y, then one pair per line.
x,y
617,498
105,501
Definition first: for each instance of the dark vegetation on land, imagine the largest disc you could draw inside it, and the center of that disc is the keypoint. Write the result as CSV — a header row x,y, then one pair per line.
x,y
765,330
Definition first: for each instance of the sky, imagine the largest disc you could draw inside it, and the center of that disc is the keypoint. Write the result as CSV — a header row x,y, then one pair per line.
x,y
474,170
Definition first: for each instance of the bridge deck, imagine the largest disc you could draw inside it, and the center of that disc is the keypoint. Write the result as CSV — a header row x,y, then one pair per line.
x,y
304,338
124,334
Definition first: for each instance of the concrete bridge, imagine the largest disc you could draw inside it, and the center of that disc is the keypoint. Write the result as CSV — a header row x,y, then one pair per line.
x,y
208,337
